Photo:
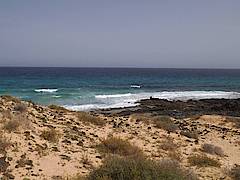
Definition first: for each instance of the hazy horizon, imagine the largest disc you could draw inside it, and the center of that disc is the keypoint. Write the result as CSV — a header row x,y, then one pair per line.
x,y
120,34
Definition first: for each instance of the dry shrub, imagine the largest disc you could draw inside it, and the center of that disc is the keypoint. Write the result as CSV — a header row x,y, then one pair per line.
x,y
17,121
175,155
168,144
88,118
4,144
20,107
11,125
234,173
190,134
114,145
85,159
203,161
164,122
7,114
212,149
172,148
50,135
139,168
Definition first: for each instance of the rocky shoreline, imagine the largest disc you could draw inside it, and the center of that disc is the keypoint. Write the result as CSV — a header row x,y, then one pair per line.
x,y
181,109
201,137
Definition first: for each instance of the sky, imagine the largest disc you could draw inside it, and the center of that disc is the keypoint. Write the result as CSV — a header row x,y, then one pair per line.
x,y
120,33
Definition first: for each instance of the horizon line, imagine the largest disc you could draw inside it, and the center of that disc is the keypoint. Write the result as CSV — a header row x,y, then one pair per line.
x,y
117,67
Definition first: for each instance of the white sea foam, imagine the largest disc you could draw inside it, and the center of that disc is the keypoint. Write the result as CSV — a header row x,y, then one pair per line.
x,y
112,96
135,86
129,100
46,90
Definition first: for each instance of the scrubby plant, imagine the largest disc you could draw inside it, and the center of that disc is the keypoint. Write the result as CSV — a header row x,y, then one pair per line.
x,y
115,145
203,161
11,125
20,107
139,168
168,144
212,149
234,173
164,122
50,135
190,134
19,120
4,144
88,118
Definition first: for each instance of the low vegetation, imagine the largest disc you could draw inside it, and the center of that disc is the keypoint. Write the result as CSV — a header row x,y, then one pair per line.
x,y
139,168
212,149
15,122
190,134
234,173
168,144
114,145
20,107
50,135
162,122
203,161
4,144
11,125
88,118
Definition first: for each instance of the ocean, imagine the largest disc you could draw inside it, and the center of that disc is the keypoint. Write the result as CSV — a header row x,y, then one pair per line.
x,y
93,88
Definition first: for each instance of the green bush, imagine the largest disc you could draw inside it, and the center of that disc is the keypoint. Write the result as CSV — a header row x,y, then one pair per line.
x,y
139,168
203,161
114,145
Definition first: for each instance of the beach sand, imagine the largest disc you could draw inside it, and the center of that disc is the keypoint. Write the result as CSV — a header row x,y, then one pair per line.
x,y
55,143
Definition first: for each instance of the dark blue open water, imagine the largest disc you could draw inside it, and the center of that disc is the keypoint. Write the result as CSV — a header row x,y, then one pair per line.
x,y
87,88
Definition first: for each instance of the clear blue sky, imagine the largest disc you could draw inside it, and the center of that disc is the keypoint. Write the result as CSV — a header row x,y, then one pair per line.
x,y
120,33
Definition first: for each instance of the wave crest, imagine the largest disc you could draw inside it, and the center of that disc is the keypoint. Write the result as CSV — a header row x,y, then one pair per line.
x,y
46,90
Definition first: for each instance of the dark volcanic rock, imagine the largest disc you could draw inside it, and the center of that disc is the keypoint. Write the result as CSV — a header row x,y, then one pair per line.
x,y
182,109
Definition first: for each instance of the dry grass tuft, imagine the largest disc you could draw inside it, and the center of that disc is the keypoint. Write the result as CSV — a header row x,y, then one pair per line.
x,y
50,135
88,118
114,145
203,161
139,168
212,149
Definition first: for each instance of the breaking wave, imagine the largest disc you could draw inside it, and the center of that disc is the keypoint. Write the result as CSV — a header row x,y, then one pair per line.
x,y
129,100
46,90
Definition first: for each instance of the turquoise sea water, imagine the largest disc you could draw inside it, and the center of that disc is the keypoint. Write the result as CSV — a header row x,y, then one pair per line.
x,y
90,88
